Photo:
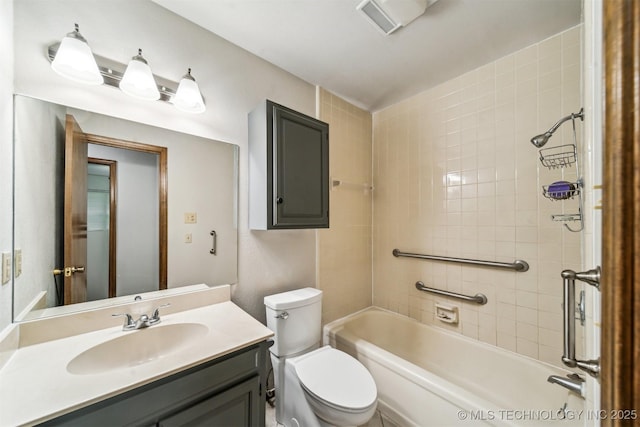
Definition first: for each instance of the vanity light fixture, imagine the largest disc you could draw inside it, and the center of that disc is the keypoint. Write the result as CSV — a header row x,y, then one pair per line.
x,y
188,97
135,80
138,80
75,60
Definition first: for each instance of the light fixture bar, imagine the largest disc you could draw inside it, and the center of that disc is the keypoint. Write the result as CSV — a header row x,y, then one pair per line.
x,y
113,71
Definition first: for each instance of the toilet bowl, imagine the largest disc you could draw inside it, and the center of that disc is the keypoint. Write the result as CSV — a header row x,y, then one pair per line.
x,y
338,388
315,387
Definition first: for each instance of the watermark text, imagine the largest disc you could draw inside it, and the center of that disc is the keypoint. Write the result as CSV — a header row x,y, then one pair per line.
x,y
546,415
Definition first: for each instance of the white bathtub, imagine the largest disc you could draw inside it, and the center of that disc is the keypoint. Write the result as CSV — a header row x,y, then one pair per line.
x,y
427,376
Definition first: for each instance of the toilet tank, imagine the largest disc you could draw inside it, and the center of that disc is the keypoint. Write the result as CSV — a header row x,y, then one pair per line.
x,y
294,317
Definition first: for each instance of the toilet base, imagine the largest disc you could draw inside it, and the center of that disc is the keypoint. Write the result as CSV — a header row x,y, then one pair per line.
x,y
292,407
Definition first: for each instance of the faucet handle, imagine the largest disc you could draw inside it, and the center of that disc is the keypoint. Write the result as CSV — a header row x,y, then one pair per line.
x,y
155,317
128,321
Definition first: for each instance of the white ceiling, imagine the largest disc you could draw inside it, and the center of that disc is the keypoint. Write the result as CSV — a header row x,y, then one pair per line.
x,y
331,44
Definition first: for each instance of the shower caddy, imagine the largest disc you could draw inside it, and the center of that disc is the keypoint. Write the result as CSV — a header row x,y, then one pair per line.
x,y
559,157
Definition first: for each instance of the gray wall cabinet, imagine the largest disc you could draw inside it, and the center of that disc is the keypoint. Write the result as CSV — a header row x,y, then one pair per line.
x,y
227,391
288,169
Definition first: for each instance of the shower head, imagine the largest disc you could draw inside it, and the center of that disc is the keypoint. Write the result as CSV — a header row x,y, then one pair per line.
x,y
540,140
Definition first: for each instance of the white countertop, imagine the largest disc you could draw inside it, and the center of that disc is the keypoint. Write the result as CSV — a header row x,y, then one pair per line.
x,y
35,385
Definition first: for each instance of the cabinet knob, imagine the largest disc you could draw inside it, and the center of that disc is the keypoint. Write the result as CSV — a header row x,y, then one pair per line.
x,y
279,200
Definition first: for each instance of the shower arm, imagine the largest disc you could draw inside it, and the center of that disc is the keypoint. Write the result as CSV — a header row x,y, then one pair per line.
x,y
572,116
540,140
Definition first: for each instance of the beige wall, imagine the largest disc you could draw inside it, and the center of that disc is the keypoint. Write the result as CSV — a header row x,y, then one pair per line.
x,y
344,250
232,80
455,175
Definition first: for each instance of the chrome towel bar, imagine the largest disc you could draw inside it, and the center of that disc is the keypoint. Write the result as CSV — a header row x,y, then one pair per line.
x,y
477,298
518,265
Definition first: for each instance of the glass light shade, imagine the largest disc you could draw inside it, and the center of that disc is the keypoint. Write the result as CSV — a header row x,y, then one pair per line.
x,y
75,61
188,97
138,80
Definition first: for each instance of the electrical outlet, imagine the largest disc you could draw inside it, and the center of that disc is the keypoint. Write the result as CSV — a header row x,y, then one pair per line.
x,y
6,267
17,262
190,218
188,238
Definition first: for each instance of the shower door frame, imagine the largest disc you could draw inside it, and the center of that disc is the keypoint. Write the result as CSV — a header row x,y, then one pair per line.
x,y
620,376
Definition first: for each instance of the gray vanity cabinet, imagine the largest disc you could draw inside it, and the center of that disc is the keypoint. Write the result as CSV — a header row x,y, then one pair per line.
x,y
288,169
228,391
237,406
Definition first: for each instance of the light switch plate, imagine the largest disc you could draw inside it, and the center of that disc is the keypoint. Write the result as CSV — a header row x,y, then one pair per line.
x,y
6,267
190,218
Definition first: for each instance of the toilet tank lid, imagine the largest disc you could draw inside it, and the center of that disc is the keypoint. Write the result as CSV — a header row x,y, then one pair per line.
x,y
293,299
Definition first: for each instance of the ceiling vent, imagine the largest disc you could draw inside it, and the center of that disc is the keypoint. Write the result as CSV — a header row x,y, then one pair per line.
x,y
389,15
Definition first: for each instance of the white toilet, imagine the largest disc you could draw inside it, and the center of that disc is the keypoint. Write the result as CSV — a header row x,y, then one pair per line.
x,y
314,386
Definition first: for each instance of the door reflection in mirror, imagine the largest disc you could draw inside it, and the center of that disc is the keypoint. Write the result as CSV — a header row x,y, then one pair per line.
x,y
101,228
136,225
132,259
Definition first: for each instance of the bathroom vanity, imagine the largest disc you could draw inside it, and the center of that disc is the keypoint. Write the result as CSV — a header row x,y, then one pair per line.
x,y
203,364
227,391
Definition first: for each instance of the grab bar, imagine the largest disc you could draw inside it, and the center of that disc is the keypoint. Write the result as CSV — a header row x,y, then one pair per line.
x,y
477,298
518,265
214,244
569,277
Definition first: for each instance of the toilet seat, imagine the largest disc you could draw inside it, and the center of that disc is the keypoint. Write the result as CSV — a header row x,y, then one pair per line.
x,y
337,380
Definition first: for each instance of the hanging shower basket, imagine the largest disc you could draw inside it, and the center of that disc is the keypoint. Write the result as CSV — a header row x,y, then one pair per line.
x,y
561,190
567,217
558,157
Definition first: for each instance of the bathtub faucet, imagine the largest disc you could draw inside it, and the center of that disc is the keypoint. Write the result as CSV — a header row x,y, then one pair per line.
x,y
573,382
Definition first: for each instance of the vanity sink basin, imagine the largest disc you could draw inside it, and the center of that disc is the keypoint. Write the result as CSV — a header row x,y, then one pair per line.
x,y
136,348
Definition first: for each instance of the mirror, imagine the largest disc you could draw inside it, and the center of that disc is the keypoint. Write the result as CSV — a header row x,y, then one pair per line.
x,y
200,187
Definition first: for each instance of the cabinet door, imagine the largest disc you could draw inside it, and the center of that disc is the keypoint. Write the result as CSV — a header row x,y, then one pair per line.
x,y
237,407
228,382
301,175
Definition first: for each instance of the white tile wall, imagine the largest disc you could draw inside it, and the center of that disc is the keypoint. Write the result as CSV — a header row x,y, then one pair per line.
x,y
456,175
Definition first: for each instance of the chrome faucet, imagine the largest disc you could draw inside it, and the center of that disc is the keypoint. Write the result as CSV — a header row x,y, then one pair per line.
x,y
143,322
573,382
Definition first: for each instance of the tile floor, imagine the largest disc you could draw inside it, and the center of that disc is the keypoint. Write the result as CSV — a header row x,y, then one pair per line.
x,y
378,420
